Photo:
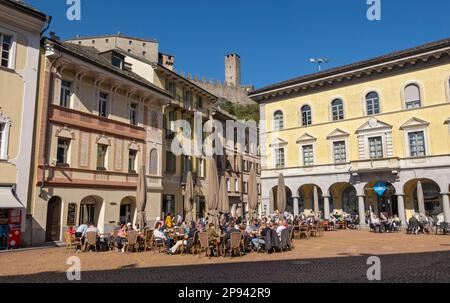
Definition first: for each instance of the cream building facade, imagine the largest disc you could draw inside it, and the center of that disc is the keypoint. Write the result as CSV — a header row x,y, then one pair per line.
x,y
20,33
98,123
346,129
187,98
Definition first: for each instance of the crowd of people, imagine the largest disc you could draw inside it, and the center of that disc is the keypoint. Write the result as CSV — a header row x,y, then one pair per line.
x,y
254,233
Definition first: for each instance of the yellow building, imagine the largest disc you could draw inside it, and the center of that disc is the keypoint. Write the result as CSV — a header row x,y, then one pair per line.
x,y
20,33
345,129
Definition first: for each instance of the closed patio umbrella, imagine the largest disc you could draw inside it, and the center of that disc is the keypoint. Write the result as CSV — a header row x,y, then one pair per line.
x,y
189,198
224,202
316,201
141,198
252,193
281,195
420,199
212,195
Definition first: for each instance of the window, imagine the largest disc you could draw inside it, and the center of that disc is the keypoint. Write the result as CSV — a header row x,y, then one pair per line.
x,y
306,115
154,162
170,120
308,155
133,113
236,185
376,147
279,158
5,50
187,98
201,169
103,105
245,184
171,87
339,152
229,185
4,134
62,152
373,103
117,61
2,139
417,144
64,100
200,102
170,162
132,155
278,120
101,156
337,109
412,96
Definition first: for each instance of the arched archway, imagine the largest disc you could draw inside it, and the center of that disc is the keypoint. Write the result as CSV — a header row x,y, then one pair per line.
x,y
90,208
289,199
386,203
127,210
343,198
431,194
53,226
306,193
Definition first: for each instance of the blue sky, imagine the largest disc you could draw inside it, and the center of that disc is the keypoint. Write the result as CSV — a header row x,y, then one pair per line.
x,y
274,38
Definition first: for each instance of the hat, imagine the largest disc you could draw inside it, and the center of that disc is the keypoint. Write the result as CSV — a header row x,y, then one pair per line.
x,y
129,224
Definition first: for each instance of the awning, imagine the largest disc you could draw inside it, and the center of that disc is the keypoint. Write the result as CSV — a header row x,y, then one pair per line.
x,y
8,200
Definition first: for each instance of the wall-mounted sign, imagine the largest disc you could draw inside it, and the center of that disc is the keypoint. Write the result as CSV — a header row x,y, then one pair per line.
x,y
380,188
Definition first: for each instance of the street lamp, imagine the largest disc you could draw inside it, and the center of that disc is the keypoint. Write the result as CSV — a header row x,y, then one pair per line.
x,y
319,62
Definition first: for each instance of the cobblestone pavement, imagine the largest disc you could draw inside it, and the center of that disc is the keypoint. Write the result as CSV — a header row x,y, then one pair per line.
x,y
337,257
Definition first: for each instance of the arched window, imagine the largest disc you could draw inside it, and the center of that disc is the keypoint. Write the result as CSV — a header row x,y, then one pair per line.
x,y
278,120
337,109
306,115
412,96
372,103
154,162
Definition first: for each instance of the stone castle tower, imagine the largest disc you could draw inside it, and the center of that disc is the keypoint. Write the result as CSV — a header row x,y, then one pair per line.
x,y
233,70
231,89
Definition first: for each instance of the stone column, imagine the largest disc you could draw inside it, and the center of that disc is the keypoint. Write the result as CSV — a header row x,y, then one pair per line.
x,y
296,210
401,208
326,207
446,206
362,211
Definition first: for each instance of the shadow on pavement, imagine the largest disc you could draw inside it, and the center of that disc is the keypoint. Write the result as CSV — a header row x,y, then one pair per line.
x,y
401,268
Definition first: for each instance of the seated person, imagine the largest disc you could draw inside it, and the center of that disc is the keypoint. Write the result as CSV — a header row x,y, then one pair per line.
x,y
159,235
260,240
227,238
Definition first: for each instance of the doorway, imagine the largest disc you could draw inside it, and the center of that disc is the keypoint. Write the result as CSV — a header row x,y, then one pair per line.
x,y
53,227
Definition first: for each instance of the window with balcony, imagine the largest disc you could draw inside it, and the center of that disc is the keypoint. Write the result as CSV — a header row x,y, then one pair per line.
x,y
170,122
187,98
376,148
101,156
62,153
279,154
134,113
103,105
5,50
132,156
339,152
412,96
308,155
278,120
64,99
372,103
417,144
337,110
306,114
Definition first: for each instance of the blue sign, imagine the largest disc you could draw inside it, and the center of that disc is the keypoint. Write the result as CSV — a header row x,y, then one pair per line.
x,y
380,188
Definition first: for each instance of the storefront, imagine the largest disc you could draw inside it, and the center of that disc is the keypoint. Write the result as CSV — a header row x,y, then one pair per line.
x,y
10,219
